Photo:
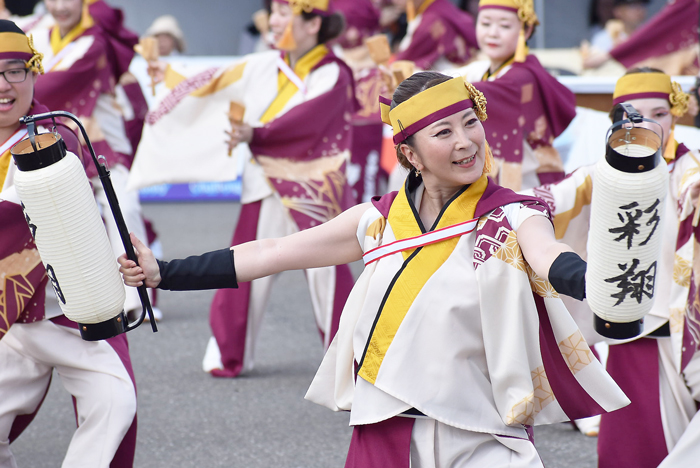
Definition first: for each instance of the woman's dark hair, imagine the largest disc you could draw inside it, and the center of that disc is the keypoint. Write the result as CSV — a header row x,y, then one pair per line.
x,y
332,25
408,88
630,72
643,70
599,13
533,28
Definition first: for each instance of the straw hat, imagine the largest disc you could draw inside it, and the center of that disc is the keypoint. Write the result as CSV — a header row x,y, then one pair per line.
x,y
167,24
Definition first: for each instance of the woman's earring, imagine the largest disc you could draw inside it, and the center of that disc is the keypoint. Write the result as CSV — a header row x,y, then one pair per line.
x,y
417,172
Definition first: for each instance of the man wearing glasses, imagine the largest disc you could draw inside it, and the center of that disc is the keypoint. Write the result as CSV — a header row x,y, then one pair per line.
x,y
35,336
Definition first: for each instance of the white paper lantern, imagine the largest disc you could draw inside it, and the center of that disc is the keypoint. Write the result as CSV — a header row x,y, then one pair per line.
x,y
625,236
69,233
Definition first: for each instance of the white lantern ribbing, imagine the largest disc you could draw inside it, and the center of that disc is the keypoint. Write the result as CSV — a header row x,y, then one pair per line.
x,y
70,236
624,245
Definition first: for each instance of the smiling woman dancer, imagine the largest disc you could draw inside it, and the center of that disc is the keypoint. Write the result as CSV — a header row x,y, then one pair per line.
x,y
295,141
452,342
533,107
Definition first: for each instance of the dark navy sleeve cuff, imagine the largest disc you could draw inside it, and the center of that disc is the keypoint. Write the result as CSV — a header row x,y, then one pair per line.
x,y
212,270
568,275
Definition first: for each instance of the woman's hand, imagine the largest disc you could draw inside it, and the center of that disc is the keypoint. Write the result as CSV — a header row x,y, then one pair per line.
x,y
694,192
389,15
595,59
147,270
388,79
156,70
240,133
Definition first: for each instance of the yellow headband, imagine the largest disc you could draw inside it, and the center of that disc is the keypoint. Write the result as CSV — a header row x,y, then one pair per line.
x,y
431,105
19,46
524,8
651,85
308,6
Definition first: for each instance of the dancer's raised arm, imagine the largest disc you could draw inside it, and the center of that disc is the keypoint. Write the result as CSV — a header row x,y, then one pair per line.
x,y
331,243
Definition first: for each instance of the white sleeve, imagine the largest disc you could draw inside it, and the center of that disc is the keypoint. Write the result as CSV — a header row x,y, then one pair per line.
x,y
368,217
517,213
10,195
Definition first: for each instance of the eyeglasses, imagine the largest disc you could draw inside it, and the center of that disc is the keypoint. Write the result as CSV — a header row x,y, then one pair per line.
x,y
17,75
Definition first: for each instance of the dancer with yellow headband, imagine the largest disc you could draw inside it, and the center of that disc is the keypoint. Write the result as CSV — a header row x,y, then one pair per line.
x,y
533,107
454,340
294,142
660,370
36,339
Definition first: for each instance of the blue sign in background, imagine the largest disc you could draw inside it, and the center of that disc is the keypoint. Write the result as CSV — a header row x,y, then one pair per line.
x,y
200,191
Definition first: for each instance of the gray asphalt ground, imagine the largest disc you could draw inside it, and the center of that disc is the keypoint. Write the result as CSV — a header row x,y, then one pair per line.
x,y
189,419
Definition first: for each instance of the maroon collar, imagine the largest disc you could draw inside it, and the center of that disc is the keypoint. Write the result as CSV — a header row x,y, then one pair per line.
x,y
493,197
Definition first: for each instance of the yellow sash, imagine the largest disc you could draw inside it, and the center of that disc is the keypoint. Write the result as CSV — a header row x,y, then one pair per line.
x,y
285,88
5,159
58,42
6,156
671,151
424,6
419,265
488,74
224,80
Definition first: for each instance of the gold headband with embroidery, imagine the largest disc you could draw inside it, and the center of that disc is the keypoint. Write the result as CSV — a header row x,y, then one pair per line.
x,y
524,8
651,85
19,46
308,6
431,105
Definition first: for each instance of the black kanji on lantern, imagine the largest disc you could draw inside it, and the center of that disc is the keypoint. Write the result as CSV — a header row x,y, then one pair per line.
x,y
653,219
632,283
32,226
54,282
631,222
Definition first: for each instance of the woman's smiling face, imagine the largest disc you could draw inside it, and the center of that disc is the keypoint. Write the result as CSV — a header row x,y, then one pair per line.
x,y
450,152
497,33
66,13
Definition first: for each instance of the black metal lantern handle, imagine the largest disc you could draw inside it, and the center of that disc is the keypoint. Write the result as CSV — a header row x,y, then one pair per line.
x,y
621,109
113,204
633,118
